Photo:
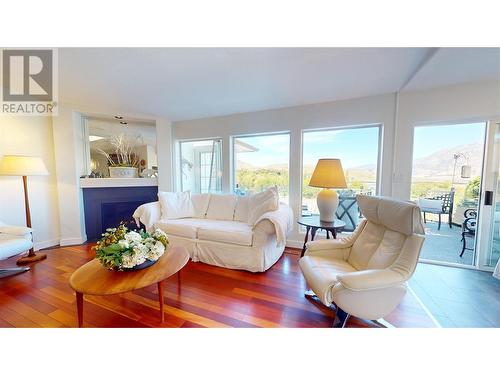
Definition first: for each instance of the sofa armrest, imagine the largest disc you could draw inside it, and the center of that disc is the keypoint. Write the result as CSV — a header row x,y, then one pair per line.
x,y
15,230
281,219
371,279
148,214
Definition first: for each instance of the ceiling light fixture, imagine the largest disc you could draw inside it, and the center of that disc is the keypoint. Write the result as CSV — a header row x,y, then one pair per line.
x,y
118,117
123,123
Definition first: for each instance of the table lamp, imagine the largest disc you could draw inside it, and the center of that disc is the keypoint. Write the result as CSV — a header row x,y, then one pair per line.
x,y
328,175
14,165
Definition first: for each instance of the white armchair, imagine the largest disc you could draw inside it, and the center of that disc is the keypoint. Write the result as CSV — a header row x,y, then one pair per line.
x,y
14,240
365,274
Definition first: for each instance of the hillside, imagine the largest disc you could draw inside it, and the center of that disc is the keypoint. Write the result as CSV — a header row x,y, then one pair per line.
x,y
435,167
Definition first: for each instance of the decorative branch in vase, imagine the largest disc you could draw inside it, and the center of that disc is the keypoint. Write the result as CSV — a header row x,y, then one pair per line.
x,y
123,163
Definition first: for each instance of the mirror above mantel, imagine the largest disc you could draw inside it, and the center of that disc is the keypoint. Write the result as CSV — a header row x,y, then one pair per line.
x,y
116,147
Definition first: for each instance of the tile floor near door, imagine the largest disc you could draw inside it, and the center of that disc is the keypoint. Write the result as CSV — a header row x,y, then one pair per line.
x,y
458,297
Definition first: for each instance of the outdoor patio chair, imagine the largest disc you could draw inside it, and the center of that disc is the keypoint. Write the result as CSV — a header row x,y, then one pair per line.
x,y
468,228
446,208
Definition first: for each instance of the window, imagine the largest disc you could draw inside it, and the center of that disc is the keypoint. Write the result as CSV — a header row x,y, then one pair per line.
x,y
261,161
357,149
201,166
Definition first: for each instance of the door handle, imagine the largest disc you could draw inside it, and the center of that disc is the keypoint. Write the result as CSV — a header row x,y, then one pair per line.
x,y
488,198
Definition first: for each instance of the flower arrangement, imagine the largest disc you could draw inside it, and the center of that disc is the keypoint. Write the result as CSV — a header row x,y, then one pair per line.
x,y
120,249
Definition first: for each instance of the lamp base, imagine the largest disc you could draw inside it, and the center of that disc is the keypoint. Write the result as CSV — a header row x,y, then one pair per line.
x,y
31,257
328,202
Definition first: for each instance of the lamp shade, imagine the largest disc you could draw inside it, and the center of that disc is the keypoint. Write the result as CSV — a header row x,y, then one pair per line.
x,y
14,165
328,174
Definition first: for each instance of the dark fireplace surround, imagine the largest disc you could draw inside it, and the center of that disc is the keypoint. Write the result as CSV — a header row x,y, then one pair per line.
x,y
106,207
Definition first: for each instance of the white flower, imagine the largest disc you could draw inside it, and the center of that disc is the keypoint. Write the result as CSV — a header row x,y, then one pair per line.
x,y
156,251
123,244
127,261
133,237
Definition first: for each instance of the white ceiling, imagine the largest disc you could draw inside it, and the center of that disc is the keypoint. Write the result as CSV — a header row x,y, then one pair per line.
x,y
189,83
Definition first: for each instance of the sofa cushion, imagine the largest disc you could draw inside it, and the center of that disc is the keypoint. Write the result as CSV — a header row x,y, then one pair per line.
x,y
221,207
175,205
233,232
260,203
200,204
241,210
187,228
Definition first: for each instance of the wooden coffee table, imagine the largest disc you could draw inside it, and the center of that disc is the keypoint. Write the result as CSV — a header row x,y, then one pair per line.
x,y
92,278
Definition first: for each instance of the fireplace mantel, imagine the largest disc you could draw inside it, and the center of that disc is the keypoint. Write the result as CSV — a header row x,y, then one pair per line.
x,y
116,182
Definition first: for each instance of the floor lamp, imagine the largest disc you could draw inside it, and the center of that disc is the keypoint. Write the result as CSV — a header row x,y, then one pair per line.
x,y
13,165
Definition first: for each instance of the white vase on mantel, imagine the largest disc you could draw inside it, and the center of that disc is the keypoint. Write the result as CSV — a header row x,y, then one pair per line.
x,y
123,172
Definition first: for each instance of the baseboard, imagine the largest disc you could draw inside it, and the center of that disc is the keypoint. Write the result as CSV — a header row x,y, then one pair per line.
x,y
44,244
295,244
72,241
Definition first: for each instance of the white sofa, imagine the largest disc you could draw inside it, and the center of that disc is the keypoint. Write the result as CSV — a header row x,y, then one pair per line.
x,y
221,231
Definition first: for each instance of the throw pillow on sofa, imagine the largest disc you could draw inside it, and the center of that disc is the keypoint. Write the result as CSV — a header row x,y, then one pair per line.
x,y
200,204
221,207
260,203
175,205
241,210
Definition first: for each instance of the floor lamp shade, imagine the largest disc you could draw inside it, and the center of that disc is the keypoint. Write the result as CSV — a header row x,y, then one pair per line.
x,y
328,175
15,165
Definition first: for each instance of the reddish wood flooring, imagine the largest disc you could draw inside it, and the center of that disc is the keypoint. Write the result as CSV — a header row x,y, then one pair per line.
x,y
207,297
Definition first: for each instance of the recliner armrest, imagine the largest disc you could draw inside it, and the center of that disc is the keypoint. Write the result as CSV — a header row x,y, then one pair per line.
x,y
15,230
341,243
371,279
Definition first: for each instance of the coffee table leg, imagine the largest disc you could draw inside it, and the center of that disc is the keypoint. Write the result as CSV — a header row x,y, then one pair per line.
x,y
79,307
160,299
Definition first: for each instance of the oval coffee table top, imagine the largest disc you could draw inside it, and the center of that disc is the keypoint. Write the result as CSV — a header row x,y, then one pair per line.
x,y
93,278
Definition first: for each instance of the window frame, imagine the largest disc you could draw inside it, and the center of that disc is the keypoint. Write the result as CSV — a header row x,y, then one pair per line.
x,y
380,143
190,140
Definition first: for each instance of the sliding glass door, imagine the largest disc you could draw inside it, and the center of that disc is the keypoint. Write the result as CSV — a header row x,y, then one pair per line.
x,y
446,181
489,221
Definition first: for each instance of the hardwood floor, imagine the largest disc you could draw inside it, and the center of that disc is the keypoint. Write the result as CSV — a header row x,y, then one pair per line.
x,y
207,297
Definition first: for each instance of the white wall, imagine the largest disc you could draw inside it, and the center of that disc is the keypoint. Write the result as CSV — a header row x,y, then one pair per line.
x,y
25,135
473,102
68,148
165,154
369,110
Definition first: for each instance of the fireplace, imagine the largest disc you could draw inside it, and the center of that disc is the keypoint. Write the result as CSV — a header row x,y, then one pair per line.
x,y
107,207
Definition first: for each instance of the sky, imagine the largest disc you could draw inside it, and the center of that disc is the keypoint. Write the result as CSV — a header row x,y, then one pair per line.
x,y
429,139
353,146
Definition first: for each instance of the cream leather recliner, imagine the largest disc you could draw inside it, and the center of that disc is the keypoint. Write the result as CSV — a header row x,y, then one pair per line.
x,y
365,274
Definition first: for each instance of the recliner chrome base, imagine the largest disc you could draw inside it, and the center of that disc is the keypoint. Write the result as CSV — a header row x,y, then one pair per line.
x,y
341,317
5,272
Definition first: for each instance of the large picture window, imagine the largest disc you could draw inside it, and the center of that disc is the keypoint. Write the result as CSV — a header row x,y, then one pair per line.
x,y
357,149
261,161
201,166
